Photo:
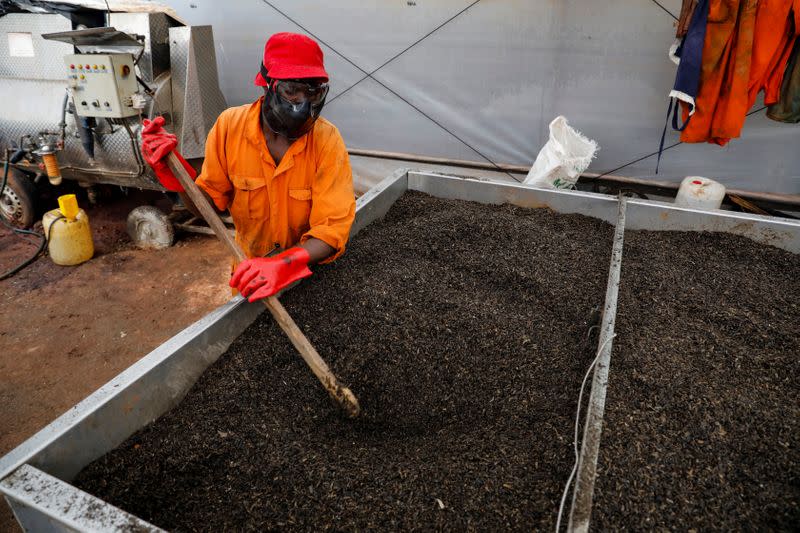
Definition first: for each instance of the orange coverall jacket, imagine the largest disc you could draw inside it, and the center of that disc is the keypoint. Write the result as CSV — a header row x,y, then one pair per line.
x,y
746,49
309,194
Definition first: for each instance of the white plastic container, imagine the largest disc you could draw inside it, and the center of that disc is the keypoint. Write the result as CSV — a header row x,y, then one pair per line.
x,y
701,193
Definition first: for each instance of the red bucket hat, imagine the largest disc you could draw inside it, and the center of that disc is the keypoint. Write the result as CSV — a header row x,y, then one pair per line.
x,y
291,55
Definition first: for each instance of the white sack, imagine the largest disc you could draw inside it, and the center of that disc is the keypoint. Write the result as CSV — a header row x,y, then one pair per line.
x,y
563,157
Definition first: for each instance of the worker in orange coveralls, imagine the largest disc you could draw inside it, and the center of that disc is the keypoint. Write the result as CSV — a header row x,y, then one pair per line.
x,y
281,169
746,48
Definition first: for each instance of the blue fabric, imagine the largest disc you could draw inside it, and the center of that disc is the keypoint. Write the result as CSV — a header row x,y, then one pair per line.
x,y
687,79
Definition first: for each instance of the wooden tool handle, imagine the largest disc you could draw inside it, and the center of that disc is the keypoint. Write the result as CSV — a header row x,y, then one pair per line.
x,y
341,395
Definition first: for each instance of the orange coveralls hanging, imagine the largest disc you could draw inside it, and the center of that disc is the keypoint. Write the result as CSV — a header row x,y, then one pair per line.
x,y
746,48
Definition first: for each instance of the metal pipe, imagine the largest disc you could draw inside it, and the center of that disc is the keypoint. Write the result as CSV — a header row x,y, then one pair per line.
x,y
101,171
439,160
63,124
790,200
587,465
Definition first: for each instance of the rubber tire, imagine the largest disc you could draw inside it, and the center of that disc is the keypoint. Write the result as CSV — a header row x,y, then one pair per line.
x,y
150,228
24,193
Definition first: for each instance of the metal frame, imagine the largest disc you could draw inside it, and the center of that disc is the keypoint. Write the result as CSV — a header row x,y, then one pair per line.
x,y
593,428
46,503
178,64
157,382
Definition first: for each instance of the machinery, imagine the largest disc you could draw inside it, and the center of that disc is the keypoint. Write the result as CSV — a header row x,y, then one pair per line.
x,y
76,84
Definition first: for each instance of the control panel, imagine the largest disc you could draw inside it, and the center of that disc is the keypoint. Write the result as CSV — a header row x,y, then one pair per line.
x,y
102,85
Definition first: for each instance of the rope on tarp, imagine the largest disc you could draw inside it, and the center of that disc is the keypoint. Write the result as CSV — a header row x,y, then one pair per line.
x,y
379,82
753,112
406,49
664,8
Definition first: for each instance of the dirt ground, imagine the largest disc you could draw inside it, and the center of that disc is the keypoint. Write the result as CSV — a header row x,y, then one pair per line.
x,y
65,331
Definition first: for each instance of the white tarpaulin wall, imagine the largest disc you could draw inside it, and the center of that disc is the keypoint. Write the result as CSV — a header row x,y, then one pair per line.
x,y
495,76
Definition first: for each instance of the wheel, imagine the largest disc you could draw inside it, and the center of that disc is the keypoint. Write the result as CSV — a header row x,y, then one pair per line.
x,y
18,202
150,228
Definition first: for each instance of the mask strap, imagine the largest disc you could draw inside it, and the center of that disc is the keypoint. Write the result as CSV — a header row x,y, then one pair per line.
x,y
263,70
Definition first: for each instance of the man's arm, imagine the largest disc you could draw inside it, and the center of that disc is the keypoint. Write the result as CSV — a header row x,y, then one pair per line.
x,y
318,250
213,180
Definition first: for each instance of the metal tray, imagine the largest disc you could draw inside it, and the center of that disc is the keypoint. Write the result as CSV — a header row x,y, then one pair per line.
x,y
34,477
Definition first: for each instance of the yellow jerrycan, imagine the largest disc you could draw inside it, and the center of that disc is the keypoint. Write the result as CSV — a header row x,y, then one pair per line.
x,y
68,234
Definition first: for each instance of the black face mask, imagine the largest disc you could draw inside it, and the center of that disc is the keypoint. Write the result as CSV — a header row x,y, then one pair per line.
x,y
285,118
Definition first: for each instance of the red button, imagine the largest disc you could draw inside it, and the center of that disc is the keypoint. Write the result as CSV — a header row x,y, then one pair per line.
x,y
87,67
72,67
697,182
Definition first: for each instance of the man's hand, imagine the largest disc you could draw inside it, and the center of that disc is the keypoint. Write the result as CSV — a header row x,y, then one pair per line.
x,y
261,277
156,146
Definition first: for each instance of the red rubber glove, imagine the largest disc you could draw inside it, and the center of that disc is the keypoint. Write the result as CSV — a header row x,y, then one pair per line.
x,y
156,146
261,277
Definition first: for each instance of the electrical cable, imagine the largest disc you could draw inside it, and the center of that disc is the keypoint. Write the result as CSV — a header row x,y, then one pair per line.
x,y
146,87
368,75
19,231
577,425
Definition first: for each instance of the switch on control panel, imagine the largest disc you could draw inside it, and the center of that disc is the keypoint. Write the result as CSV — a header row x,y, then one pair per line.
x,y
103,84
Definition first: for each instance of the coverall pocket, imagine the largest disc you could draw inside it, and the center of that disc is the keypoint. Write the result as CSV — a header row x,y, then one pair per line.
x,y
249,198
299,208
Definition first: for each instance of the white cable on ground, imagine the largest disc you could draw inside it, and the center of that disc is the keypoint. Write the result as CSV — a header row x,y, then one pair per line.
x,y
577,424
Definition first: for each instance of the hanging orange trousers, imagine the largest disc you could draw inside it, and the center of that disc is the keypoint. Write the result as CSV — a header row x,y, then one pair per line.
x,y
746,49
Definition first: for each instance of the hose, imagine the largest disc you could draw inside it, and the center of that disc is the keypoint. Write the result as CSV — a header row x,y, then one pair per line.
x,y
63,124
85,132
135,148
19,231
575,440
146,87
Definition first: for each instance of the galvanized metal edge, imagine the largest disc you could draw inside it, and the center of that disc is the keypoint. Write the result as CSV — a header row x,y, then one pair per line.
x,y
587,463
45,503
661,216
641,214
494,192
377,201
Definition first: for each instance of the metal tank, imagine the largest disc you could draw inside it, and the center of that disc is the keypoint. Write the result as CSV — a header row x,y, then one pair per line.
x,y
42,121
